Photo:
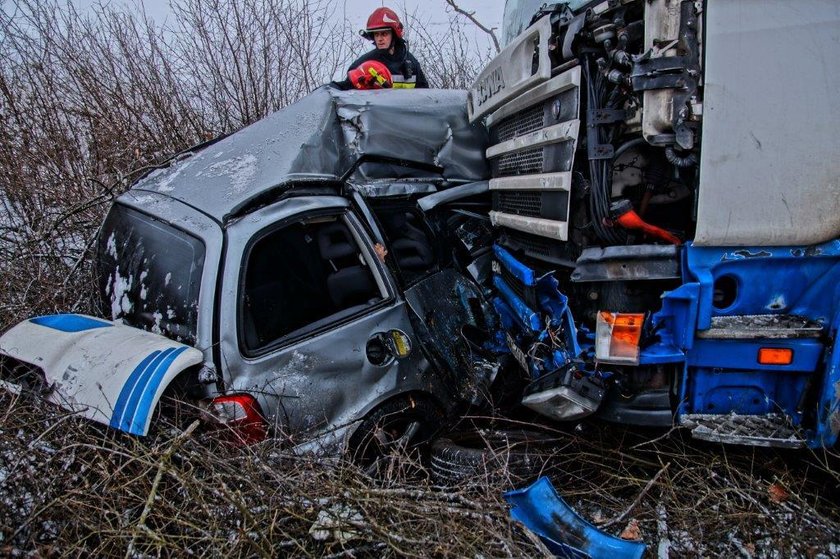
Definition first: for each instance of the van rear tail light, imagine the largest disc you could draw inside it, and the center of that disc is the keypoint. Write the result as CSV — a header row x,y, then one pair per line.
x,y
240,415
617,337
775,356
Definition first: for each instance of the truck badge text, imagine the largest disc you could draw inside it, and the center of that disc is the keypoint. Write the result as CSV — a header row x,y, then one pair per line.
x,y
490,86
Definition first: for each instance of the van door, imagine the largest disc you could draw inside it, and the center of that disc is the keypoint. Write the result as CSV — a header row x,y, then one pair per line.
x,y
312,323
433,244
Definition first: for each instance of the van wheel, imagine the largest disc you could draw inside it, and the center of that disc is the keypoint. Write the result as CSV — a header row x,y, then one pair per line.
x,y
396,434
489,456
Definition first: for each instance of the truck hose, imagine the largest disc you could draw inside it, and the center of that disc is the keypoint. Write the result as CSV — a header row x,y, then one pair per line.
x,y
627,145
689,160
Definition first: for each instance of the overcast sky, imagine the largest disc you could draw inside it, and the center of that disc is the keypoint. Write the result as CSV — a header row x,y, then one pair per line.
x,y
356,11
429,12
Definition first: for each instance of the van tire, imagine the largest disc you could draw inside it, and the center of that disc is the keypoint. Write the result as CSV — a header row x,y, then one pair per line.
x,y
489,456
398,429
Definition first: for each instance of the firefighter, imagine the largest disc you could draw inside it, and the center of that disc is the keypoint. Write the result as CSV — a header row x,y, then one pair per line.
x,y
386,31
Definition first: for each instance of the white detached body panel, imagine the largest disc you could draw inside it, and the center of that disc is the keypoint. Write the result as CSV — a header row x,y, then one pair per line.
x,y
106,371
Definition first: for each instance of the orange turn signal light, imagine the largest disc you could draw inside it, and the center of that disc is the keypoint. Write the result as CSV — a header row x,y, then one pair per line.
x,y
627,328
775,356
617,337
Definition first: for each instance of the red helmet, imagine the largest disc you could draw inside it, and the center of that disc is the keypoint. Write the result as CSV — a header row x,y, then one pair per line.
x,y
370,75
383,18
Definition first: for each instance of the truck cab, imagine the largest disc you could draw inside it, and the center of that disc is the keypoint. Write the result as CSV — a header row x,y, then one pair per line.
x,y
665,197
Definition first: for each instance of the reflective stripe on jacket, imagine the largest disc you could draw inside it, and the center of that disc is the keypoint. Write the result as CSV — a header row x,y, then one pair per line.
x,y
401,82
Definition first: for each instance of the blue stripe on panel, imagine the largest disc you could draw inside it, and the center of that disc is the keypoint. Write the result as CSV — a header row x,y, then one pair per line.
x,y
69,322
137,390
122,399
141,413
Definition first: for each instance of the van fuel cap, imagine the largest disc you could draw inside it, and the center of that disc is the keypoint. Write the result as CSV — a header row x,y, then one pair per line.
x,y
384,347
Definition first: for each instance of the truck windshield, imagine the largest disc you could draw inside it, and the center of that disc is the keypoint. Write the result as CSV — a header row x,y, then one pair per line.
x,y
518,14
149,274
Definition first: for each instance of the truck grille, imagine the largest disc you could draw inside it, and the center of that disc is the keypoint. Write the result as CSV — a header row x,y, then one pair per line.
x,y
524,203
521,162
529,120
541,204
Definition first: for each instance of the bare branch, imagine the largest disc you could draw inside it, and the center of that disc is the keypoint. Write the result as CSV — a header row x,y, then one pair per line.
x,y
471,16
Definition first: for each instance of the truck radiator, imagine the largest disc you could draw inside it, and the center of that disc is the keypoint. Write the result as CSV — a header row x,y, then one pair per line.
x,y
519,203
521,162
533,142
529,120
532,203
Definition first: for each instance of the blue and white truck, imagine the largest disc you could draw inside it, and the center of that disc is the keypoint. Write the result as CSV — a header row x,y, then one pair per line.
x,y
666,193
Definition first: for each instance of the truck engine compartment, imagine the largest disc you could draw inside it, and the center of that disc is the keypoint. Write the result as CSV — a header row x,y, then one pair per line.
x,y
628,178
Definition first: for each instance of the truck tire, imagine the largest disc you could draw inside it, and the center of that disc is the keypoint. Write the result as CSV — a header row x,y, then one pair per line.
x,y
396,430
489,456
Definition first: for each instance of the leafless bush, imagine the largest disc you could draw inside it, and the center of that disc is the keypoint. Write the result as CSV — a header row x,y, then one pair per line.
x,y
243,60
450,55
89,100
70,488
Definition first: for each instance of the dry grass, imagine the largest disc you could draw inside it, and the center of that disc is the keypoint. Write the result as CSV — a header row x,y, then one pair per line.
x,y
69,487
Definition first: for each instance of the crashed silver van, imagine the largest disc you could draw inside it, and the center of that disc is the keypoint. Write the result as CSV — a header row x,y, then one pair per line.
x,y
311,273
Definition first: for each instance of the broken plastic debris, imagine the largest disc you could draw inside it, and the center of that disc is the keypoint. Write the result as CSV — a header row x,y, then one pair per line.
x,y
336,524
563,531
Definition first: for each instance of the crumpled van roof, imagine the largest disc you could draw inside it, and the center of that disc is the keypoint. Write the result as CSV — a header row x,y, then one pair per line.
x,y
322,135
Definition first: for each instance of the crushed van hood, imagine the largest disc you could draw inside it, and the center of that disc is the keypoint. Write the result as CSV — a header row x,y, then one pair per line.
x,y
105,371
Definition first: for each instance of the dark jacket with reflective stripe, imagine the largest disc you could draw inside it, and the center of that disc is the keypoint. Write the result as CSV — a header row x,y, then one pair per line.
x,y
404,68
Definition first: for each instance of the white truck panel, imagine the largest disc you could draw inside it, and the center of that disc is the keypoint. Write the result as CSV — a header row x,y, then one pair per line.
x,y
509,74
769,170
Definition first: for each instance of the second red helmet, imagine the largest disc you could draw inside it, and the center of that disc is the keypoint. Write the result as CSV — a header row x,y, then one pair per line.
x,y
383,18
370,75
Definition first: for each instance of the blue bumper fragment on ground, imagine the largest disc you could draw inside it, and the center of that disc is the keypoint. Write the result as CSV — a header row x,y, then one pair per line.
x,y
566,534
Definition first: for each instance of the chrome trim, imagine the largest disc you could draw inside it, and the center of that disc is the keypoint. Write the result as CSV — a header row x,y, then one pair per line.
x,y
544,181
536,226
549,135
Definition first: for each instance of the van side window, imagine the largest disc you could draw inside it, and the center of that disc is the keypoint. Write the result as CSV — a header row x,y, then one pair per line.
x,y
304,276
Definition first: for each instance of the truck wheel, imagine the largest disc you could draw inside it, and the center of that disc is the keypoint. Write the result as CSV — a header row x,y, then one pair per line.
x,y
488,455
396,430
